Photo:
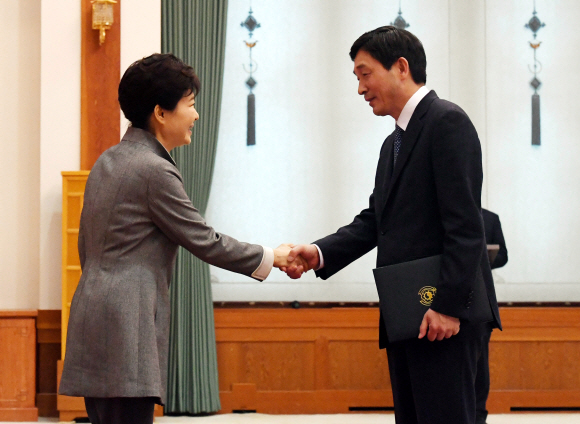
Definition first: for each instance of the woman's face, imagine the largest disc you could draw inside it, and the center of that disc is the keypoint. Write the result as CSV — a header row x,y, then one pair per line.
x,y
179,122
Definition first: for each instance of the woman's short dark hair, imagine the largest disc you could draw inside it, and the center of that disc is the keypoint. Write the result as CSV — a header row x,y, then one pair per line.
x,y
388,43
160,79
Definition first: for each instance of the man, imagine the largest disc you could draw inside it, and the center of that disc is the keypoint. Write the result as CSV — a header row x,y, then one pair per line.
x,y
493,235
426,201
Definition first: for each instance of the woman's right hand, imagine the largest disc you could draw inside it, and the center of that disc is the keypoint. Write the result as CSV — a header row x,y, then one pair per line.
x,y
281,260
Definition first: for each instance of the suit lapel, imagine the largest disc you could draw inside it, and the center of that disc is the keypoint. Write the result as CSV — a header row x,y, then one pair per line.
x,y
384,172
410,137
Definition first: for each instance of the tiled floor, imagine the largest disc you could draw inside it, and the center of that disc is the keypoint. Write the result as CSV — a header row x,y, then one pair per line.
x,y
350,419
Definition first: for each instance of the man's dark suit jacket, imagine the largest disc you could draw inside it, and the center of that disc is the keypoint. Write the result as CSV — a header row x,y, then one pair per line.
x,y
429,203
494,235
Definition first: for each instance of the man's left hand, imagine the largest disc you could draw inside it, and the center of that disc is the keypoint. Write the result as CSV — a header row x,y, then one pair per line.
x,y
440,326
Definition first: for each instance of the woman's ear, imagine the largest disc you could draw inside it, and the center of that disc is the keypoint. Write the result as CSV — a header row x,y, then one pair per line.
x,y
158,114
156,120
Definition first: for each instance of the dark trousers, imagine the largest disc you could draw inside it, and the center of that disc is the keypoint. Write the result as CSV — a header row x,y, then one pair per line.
x,y
482,379
434,382
120,410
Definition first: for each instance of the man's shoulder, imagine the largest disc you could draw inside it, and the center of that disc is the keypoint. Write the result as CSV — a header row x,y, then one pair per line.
x,y
489,215
445,114
443,107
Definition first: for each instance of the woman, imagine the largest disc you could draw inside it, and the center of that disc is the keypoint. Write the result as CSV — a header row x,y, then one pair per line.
x,y
135,215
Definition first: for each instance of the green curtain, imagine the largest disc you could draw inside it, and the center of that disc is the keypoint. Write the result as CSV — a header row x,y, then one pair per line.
x,y
195,31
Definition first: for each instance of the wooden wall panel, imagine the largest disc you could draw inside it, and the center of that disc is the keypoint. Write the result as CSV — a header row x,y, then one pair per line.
x,y
548,365
358,366
100,75
18,370
309,360
534,362
292,369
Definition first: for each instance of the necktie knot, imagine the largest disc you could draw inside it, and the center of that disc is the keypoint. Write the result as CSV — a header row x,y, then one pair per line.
x,y
398,140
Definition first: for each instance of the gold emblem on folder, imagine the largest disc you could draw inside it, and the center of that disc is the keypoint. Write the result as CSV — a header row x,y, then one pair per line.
x,y
427,294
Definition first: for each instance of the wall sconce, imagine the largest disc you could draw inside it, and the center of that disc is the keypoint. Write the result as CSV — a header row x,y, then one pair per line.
x,y
103,17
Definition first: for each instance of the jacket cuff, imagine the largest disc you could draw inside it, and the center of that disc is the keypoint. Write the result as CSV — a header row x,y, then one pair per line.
x,y
320,257
266,265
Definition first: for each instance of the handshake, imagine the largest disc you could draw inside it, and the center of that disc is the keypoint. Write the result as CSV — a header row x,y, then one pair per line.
x,y
295,260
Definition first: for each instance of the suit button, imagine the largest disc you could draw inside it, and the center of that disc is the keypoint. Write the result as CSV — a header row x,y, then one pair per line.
x,y
383,232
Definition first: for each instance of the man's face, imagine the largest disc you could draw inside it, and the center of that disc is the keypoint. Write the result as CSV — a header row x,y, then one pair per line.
x,y
379,86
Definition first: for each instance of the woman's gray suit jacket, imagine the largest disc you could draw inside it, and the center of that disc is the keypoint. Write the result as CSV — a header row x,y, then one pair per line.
x,y
136,213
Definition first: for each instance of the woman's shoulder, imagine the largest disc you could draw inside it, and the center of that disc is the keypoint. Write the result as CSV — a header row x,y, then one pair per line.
x,y
136,161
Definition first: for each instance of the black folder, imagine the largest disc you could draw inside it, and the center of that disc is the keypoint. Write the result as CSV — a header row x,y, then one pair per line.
x,y
407,289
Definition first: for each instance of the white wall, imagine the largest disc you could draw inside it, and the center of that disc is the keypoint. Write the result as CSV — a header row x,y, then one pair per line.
x,y
140,34
60,102
40,102
317,143
317,146
60,113
19,162
535,190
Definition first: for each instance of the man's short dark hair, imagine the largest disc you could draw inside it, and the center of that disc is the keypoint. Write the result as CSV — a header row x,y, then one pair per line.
x,y
388,43
160,79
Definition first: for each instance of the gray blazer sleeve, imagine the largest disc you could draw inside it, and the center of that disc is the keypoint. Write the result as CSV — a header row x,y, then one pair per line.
x,y
172,211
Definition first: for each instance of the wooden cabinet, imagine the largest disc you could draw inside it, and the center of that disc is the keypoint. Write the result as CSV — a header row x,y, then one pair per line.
x,y
18,369
73,192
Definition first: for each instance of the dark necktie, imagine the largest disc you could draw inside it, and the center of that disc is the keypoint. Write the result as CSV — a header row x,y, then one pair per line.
x,y
398,140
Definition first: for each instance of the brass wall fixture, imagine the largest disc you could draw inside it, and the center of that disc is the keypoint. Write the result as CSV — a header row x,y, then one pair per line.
x,y
103,17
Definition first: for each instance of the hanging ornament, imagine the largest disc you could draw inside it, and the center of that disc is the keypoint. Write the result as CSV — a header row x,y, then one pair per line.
x,y
251,24
534,24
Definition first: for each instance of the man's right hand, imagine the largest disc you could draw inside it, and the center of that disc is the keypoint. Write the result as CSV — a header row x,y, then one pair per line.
x,y
439,326
308,252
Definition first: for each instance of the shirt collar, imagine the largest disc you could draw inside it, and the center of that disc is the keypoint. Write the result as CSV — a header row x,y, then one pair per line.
x,y
409,108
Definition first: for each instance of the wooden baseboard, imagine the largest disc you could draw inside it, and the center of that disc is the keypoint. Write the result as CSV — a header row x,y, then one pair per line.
x,y
505,401
18,414
70,407
245,397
